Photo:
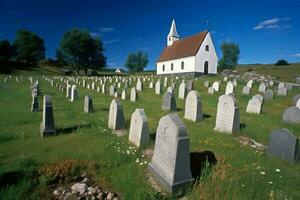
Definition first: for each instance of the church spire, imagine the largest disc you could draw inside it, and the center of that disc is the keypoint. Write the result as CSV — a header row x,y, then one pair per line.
x,y
173,35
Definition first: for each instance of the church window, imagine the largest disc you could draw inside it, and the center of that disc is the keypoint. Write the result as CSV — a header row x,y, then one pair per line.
x,y
206,48
182,65
172,66
163,68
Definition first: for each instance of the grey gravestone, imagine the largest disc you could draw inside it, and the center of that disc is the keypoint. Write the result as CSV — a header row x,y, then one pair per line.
x,y
182,91
74,94
298,104
170,163
268,95
250,83
123,95
289,86
262,87
116,116
229,88
168,102
193,106
228,115
88,104
138,132
34,104
246,90
291,115
206,84
69,91
103,89
133,95
112,90
47,127
170,90
151,84
284,145
295,99
139,85
254,105
282,91
211,90
158,88
216,86
190,85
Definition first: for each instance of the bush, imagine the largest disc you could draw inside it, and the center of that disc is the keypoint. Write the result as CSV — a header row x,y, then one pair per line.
x,y
281,63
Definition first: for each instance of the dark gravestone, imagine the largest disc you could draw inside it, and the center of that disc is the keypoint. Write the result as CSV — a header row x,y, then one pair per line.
x,y
291,115
47,127
284,145
169,102
34,104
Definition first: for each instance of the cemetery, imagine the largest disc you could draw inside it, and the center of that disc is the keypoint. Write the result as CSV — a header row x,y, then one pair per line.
x,y
176,140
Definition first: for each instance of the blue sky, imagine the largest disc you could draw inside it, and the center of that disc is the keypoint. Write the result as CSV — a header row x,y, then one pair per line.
x,y
265,30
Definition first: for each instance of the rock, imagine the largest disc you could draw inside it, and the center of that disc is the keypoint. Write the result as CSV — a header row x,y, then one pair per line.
x,y
80,188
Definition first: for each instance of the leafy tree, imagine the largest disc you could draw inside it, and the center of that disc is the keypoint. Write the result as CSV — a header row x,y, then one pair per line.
x,y
30,47
7,51
136,62
81,51
231,54
281,62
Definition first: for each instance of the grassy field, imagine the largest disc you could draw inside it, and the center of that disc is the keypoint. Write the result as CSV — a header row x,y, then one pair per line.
x,y
237,174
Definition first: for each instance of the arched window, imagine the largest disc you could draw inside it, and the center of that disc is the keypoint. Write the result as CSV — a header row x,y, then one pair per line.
x,y
206,48
182,65
172,67
163,68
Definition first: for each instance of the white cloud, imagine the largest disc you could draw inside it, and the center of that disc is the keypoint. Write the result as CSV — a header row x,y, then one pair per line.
x,y
111,41
297,55
107,29
95,34
274,23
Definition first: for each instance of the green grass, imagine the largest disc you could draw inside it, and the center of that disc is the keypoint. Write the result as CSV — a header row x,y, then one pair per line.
x,y
236,175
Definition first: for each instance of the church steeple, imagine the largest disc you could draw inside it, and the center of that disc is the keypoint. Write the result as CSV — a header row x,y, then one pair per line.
x,y
173,35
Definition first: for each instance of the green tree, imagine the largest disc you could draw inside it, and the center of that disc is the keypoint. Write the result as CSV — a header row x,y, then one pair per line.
x,y
30,47
81,51
281,62
136,62
7,51
231,54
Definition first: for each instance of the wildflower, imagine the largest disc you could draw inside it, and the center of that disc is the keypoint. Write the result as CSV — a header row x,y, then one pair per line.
x,y
263,173
277,170
243,185
137,160
270,182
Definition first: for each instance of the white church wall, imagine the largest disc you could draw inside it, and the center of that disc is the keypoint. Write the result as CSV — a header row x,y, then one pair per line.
x,y
210,56
189,65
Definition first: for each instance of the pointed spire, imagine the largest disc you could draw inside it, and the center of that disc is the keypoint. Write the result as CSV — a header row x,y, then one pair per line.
x,y
173,31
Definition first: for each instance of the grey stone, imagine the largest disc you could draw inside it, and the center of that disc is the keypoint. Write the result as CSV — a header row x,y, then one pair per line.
x,y
268,95
246,90
116,118
216,86
123,95
138,132
112,90
295,99
229,88
289,86
193,106
282,91
169,102
211,90
88,104
170,163
254,105
158,88
262,87
103,89
170,90
182,91
298,104
228,115
206,84
190,85
291,115
139,85
80,188
47,127
250,83
69,91
133,95
284,145
74,94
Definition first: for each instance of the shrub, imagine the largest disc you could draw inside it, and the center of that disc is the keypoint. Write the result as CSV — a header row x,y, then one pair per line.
x,y
281,63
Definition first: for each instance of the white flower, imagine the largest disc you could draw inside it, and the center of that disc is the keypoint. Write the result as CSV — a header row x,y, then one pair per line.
x,y
137,160
277,170
243,185
263,173
141,163
270,182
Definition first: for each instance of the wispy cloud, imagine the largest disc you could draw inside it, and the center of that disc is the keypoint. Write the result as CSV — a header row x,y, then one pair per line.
x,y
107,29
274,23
297,55
95,34
111,41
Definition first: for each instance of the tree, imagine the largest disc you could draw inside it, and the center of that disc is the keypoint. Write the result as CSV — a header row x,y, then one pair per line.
x,y
136,62
7,51
81,51
231,53
281,62
30,47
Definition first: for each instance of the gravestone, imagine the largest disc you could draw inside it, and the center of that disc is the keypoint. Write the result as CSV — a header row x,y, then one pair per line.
x,y
34,104
268,95
284,145
206,84
116,95
250,83
289,86
138,132
228,115
190,85
170,163
69,91
229,88
193,106
211,90
103,89
216,86
74,94
295,99
291,115
133,95
282,91
168,102
47,127
151,84
234,82
254,105
246,90
116,116
182,91
88,104
262,88
298,104
112,90
158,88
123,95
170,90
139,85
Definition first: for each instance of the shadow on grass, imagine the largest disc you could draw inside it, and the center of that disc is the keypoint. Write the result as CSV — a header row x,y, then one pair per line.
x,y
153,136
242,125
10,178
71,129
201,160
206,116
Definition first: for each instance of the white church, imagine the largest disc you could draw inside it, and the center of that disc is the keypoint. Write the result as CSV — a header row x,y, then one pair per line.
x,y
194,55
